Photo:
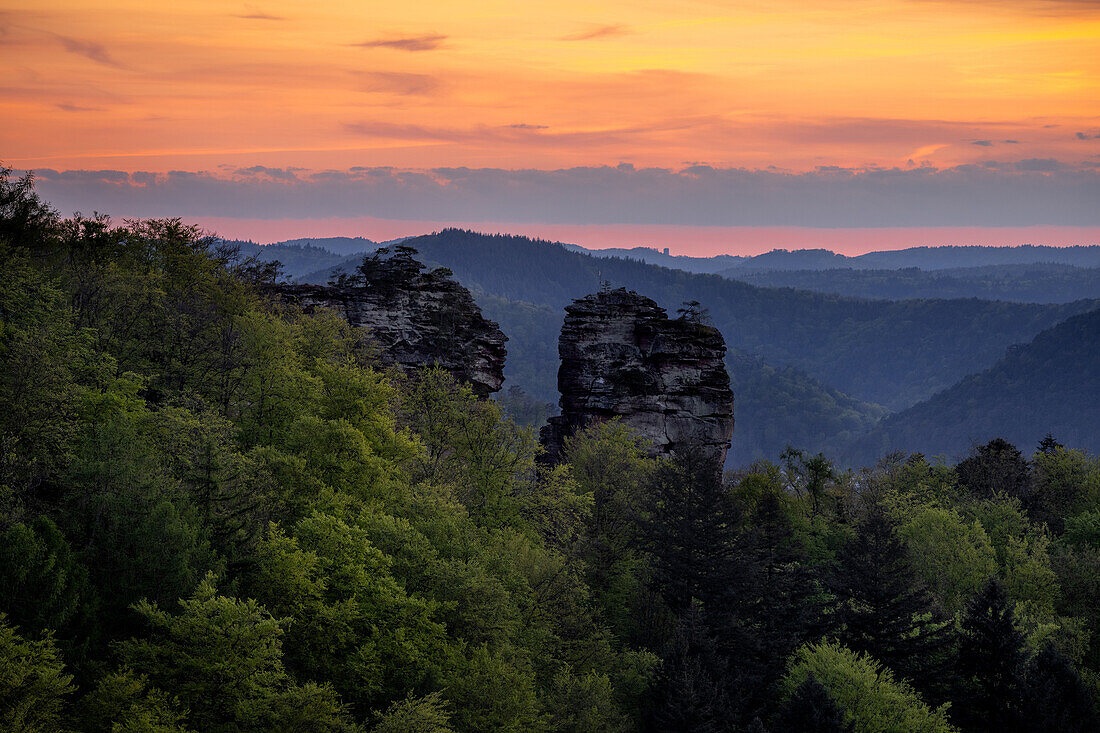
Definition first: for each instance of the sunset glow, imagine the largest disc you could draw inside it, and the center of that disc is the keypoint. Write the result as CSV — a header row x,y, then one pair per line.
x,y
214,87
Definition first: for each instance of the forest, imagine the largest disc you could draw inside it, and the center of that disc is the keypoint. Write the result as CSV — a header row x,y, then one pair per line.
x,y
813,370
219,513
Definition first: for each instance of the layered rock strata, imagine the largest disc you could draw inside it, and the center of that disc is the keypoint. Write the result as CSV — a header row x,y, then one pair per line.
x,y
622,356
413,317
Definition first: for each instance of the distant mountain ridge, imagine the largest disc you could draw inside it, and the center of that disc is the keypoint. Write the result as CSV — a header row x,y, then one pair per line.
x,y
702,265
1024,283
925,258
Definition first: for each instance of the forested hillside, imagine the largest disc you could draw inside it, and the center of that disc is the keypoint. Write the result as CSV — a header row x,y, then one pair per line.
x,y
1030,283
216,514
1050,385
893,354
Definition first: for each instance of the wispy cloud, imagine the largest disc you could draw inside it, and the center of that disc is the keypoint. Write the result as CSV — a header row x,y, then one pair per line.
x,y
1087,136
603,31
90,50
398,82
429,42
258,16
521,134
76,108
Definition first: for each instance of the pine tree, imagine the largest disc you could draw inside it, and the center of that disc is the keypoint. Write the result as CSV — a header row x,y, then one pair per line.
x,y
774,607
695,688
1056,698
692,534
811,710
884,610
1049,445
991,656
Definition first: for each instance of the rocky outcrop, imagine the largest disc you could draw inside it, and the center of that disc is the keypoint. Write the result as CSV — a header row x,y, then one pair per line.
x,y
622,356
413,317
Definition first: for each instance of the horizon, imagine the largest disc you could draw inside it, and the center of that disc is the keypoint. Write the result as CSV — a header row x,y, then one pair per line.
x,y
756,240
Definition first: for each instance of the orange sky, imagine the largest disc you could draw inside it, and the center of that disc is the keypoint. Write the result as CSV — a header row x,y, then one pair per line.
x,y
213,86
134,85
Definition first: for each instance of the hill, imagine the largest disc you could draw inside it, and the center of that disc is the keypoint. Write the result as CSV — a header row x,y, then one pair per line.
x,y
1050,385
890,353
1027,283
302,256
704,265
343,246
936,258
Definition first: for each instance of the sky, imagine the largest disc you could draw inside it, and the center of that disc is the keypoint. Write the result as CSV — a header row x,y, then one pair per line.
x,y
703,126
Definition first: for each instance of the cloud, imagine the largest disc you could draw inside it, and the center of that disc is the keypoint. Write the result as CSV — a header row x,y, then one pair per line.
x,y
429,42
862,130
603,31
397,82
277,174
76,108
1040,165
258,16
89,50
520,134
995,193
1086,136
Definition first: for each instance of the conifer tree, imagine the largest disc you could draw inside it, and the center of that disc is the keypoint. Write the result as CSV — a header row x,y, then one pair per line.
x,y
991,655
692,534
884,610
694,690
774,607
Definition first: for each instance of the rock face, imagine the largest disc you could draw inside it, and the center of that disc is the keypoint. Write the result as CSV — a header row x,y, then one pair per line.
x,y
413,317
622,356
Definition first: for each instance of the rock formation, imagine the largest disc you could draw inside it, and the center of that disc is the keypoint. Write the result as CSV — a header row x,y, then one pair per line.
x,y
622,356
413,317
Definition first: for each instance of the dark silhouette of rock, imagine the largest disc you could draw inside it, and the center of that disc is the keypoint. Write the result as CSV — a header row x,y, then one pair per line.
x,y
413,317
622,356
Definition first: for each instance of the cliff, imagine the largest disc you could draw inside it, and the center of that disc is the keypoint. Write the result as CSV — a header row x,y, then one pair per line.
x,y
622,356
413,317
